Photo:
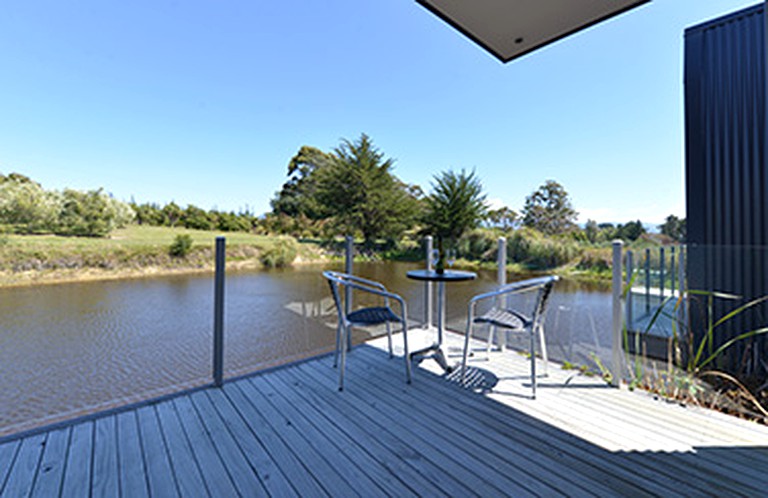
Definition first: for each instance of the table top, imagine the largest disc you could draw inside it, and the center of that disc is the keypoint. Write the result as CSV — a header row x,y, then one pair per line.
x,y
447,276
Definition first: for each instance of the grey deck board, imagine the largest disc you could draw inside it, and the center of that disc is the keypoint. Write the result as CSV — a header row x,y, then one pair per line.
x,y
291,465
8,453
185,467
243,475
51,473
345,451
21,480
105,469
533,466
131,470
392,452
215,474
290,432
77,472
310,447
256,455
160,478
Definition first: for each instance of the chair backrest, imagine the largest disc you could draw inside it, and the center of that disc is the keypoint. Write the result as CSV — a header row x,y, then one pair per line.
x,y
543,286
545,291
338,280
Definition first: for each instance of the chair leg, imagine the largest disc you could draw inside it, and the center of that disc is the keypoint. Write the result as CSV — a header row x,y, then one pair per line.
x,y
489,343
338,344
407,354
466,351
345,333
544,350
533,365
389,340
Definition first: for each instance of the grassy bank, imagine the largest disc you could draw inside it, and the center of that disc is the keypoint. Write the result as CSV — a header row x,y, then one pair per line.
x,y
132,252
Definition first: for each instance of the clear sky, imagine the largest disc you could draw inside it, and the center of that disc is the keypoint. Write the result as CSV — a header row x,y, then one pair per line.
x,y
205,102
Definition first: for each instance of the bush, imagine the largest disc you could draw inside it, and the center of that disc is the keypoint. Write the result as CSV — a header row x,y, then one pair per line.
x,y
478,245
281,254
181,246
531,248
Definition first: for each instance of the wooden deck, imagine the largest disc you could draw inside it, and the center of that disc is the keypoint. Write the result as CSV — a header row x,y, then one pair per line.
x,y
289,432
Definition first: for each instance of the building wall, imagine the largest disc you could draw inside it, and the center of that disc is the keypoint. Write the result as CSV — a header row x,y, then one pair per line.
x,y
726,168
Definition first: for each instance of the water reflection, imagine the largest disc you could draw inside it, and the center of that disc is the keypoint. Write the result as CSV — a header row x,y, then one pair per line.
x,y
66,349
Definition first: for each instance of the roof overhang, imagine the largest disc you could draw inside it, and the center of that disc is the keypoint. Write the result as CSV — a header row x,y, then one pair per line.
x,y
512,28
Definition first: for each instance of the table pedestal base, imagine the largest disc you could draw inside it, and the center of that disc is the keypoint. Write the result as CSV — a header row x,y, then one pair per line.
x,y
435,352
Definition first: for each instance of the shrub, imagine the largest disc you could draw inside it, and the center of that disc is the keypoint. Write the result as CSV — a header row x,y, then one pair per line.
x,y
281,254
531,248
181,246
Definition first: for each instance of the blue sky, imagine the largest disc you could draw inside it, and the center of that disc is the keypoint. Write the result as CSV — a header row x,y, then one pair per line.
x,y
205,102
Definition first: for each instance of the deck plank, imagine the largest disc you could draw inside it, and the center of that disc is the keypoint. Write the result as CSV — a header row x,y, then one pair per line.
x,y
105,469
308,449
25,467
393,448
245,479
131,469
530,464
215,474
160,478
300,478
444,452
255,453
185,466
77,472
8,452
51,472
369,475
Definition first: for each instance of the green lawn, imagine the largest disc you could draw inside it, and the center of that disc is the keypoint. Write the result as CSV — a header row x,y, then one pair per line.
x,y
128,251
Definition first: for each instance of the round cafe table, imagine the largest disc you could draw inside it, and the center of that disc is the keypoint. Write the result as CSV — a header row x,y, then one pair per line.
x,y
435,351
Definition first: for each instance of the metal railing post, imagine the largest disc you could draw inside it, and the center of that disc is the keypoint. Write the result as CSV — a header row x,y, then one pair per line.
x,y
628,280
501,277
662,272
429,248
349,254
617,346
648,280
218,313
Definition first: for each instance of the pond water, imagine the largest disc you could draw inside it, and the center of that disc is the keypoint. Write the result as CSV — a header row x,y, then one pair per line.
x,y
73,348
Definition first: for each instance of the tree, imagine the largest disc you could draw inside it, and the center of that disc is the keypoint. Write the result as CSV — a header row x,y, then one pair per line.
x,y
362,195
549,209
674,227
503,218
298,197
91,214
630,231
456,204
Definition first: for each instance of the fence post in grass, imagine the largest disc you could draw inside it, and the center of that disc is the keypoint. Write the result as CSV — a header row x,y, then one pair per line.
x,y
617,347
429,248
349,255
218,313
501,258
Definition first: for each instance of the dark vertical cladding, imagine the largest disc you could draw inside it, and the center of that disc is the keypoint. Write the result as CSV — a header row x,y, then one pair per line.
x,y
727,168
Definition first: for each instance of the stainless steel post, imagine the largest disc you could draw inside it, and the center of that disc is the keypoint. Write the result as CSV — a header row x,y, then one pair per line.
x,y
349,254
430,246
218,313
617,347
501,277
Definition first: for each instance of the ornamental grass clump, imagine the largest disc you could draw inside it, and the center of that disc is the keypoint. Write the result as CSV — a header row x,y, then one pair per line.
x,y
691,373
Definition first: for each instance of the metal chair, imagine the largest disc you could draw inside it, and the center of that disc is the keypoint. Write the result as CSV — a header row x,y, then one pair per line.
x,y
508,320
364,317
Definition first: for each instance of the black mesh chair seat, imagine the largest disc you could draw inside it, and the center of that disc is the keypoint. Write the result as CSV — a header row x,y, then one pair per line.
x,y
507,319
373,316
